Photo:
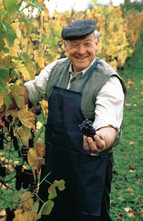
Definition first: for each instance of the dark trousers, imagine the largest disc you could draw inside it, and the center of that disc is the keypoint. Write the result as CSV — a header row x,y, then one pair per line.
x,y
105,202
105,207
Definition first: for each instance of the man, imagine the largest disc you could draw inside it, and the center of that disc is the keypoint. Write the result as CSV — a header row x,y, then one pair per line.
x,y
79,87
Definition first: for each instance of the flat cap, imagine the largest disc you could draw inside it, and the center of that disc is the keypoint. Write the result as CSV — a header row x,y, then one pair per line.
x,y
78,29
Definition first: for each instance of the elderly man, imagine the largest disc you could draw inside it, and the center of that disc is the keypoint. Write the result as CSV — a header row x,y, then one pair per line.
x,y
79,87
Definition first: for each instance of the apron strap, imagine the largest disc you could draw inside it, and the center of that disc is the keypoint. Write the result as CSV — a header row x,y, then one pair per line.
x,y
90,74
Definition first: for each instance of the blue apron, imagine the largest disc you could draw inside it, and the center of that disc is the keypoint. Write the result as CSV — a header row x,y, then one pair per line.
x,y
66,159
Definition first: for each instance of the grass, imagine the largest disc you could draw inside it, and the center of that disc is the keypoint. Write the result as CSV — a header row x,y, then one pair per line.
x,y
127,185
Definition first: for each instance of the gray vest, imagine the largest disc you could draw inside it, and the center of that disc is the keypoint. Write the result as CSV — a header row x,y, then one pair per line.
x,y
60,76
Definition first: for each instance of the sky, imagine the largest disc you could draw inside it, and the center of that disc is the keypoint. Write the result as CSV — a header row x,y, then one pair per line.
x,y
78,5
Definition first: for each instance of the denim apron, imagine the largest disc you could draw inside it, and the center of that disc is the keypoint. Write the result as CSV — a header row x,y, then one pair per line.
x,y
65,158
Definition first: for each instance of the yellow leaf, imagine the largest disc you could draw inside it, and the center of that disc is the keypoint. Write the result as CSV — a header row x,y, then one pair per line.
x,y
31,69
44,105
27,201
121,198
27,118
130,214
39,58
127,209
25,73
1,99
12,112
34,160
129,189
24,133
129,83
17,212
17,93
38,125
3,212
132,143
21,215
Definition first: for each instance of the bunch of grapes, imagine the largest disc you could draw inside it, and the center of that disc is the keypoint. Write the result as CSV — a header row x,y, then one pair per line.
x,y
1,139
87,128
2,171
24,178
15,143
9,214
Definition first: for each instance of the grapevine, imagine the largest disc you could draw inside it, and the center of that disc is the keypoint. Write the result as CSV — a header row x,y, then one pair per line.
x,y
25,50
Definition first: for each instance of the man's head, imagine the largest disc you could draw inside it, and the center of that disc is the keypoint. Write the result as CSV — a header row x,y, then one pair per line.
x,y
80,43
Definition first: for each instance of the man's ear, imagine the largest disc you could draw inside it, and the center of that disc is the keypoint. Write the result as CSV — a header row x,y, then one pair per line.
x,y
96,43
65,45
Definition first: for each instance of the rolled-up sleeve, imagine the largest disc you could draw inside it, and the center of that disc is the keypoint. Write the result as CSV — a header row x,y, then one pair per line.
x,y
37,88
109,105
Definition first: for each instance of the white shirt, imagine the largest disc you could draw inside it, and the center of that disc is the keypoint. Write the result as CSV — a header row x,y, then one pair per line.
x,y
109,102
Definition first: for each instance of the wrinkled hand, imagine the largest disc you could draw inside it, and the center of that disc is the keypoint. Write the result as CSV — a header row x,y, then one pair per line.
x,y
94,146
103,140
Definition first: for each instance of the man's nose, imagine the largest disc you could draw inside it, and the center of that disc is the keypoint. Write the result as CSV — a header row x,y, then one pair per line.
x,y
81,49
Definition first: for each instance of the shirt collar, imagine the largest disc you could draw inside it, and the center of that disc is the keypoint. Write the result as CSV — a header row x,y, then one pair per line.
x,y
83,71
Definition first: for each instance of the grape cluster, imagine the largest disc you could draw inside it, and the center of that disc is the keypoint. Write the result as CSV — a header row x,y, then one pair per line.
x,y
9,214
2,171
15,143
87,128
1,139
23,178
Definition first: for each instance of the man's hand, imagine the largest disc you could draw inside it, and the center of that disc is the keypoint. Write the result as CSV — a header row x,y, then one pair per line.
x,y
103,140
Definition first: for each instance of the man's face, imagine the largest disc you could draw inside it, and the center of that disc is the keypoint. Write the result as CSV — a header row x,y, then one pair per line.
x,y
81,52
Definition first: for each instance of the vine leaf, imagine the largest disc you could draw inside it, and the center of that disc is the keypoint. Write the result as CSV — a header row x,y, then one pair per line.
x,y
34,161
40,149
27,118
39,58
25,216
27,201
52,189
17,93
46,208
24,133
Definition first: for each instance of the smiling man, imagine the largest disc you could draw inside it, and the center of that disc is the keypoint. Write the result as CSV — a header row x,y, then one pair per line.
x,y
79,87
81,52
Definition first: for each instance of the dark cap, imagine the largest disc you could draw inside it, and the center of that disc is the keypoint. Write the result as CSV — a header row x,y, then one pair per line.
x,y
78,29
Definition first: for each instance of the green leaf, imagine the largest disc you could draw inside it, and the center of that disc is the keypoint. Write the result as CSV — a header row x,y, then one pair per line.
x,y
2,44
4,75
14,74
2,12
6,50
52,193
8,32
24,56
60,184
52,189
7,101
11,36
46,208
35,4
10,5
3,88
25,20
30,66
